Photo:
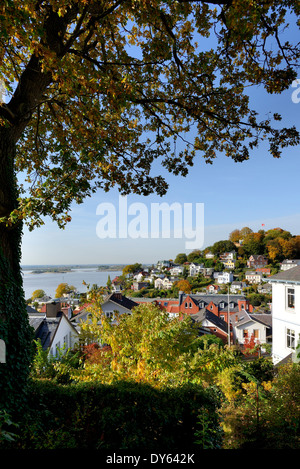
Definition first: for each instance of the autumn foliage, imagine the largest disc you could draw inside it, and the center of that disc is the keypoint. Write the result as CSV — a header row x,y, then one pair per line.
x,y
98,91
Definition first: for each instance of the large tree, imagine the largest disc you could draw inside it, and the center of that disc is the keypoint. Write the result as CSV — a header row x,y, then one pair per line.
x,y
98,90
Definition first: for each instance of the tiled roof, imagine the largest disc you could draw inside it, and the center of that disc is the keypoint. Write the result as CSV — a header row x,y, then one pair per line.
x,y
36,321
47,331
290,275
120,300
31,310
206,314
44,328
265,319
240,317
243,317
216,299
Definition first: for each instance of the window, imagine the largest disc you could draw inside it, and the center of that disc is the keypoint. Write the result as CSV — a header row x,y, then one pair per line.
x,y
256,333
291,298
191,305
66,342
109,314
290,338
245,333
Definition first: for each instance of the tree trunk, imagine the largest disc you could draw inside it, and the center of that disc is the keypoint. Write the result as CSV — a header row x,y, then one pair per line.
x,y
14,325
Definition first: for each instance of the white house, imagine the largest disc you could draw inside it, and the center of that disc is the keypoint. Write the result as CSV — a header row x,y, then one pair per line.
x,y
117,303
247,325
254,277
223,277
177,270
113,303
213,288
286,313
237,287
163,283
209,255
54,330
289,264
195,269
227,256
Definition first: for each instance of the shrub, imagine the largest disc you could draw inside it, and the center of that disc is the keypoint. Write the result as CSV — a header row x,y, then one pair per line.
x,y
122,416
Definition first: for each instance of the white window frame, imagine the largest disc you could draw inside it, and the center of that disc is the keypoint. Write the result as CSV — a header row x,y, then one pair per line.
x,y
290,291
290,338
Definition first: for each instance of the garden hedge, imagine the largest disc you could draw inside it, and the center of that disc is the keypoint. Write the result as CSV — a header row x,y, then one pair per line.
x,y
120,416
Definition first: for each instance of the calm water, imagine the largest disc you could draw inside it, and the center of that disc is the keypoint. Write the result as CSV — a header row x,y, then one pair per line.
x,y
50,281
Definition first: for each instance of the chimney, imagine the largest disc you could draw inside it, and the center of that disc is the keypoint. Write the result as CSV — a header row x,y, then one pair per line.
x,y
117,295
181,294
52,309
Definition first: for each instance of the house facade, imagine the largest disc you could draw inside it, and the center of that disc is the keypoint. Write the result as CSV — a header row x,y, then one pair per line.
x,y
177,270
237,287
54,330
117,303
113,303
285,313
195,269
137,286
163,283
212,310
213,288
256,261
256,327
229,264
289,264
254,277
223,277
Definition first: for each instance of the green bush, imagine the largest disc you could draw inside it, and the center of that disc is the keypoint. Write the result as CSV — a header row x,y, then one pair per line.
x,y
122,416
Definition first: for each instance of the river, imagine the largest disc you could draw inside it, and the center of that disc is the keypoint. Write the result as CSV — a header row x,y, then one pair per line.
x,y
49,281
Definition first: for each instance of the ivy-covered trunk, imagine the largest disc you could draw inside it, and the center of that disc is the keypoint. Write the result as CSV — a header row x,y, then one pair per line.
x,y
14,325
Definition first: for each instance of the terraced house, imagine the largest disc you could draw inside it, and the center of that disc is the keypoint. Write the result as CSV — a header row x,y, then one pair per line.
x,y
213,311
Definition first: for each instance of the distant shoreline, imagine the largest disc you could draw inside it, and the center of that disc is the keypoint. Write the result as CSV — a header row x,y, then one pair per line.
x,y
62,269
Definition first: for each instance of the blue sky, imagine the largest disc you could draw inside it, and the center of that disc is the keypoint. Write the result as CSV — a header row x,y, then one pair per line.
x,y
262,190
